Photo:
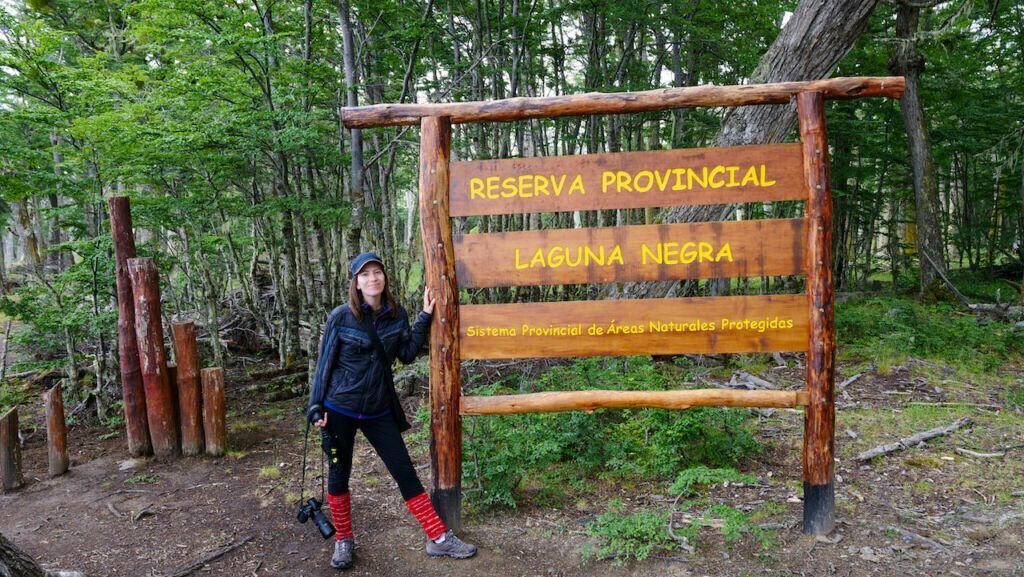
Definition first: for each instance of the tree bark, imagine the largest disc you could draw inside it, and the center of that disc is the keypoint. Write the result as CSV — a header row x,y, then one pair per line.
x,y
355,225
908,62
16,563
809,47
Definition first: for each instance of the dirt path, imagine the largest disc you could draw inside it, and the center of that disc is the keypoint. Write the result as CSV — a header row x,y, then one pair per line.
x,y
896,516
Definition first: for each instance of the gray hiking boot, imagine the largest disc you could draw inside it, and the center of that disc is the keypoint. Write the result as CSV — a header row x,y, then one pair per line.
x,y
343,551
452,547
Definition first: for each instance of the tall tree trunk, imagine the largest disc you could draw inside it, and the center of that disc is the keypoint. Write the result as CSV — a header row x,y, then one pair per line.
x,y
356,194
814,40
909,63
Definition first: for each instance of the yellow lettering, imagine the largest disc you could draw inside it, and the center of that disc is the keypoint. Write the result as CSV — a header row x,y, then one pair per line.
x,y
526,185
607,179
476,188
594,257
662,183
679,172
724,252
646,251
671,252
615,256
577,185
519,265
540,186
508,187
732,175
688,254
579,258
492,187
692,176
557,185
705,251
556,257
649,178
622,181
751,175
538,258
712,180
764,178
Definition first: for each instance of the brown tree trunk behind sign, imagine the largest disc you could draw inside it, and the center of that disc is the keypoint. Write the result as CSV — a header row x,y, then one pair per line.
x,y
133,392
56,432
213,411
910,63
10,452
149,332
190,397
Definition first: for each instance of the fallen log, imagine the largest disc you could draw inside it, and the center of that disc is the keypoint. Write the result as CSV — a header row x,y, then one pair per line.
x,y
914,439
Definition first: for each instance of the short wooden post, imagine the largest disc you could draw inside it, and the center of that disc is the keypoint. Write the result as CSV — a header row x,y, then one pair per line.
x,y
56,431
10,452
820,413
445,381
190,396
149,332
132,389
213,411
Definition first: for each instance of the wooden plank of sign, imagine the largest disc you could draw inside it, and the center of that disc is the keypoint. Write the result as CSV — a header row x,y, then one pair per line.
x,y
632,253
589,400
768,323
627,180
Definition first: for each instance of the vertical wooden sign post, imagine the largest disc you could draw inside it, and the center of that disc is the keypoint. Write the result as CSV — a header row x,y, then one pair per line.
x,y
133,392
190,395
56,432
149,333
820,412
445,380
10,452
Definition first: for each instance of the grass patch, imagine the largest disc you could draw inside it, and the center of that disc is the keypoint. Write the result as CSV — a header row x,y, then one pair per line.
x,y
888,330
629,536
270,472
142,480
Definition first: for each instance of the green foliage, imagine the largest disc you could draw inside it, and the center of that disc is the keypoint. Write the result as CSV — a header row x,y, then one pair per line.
x,y
624,536
701,476
507,456
883,329
734,524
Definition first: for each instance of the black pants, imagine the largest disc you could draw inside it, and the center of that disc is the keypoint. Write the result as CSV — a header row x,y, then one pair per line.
x,y
385,438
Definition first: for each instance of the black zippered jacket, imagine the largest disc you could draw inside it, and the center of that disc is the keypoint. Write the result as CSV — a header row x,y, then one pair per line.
x,y
350,374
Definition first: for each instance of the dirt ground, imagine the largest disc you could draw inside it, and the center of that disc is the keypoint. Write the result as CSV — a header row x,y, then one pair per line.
x,y
924,511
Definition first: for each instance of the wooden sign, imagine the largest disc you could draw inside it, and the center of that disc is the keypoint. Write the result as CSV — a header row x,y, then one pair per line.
x,y
627,180
641,327
632,253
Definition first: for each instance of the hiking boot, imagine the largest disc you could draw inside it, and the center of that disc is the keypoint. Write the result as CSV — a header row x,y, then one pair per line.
x,y
342,558
452,547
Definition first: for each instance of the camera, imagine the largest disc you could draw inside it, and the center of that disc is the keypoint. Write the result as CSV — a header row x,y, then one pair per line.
x,y
311,509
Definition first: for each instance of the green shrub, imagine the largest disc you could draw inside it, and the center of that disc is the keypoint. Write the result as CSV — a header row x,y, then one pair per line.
x,y
506,456
637,536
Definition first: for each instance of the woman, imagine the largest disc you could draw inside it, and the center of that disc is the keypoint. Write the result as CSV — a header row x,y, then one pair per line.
x,y
353,389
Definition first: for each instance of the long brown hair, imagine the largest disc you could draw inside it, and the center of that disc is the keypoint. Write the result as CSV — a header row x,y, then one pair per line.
x,y
355,298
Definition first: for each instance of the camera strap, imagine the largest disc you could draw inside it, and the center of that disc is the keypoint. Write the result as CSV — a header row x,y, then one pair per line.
x,y
302,482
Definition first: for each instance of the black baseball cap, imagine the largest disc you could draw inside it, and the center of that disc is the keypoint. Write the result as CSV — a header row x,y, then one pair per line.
x,y
362,260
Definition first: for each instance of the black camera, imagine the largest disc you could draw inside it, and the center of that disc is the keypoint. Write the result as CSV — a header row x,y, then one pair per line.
x,y
311,510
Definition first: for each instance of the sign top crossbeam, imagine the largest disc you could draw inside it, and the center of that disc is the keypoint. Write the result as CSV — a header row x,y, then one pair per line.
x,y
619,102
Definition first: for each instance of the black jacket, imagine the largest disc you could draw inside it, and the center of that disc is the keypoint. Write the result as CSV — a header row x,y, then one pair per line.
x,y
350,374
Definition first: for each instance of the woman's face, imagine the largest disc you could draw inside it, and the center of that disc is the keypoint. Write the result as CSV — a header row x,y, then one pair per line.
x,y
370,281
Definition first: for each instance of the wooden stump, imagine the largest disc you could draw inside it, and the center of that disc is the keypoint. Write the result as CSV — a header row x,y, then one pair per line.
x,y
132,389
213,411
14,561
10,452
56,432
190,398
160,406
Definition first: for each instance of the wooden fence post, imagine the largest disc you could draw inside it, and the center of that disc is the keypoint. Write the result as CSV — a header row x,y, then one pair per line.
x,y
132,389
10,452
56,431
820,413
213,411
149,332
190,397
445,381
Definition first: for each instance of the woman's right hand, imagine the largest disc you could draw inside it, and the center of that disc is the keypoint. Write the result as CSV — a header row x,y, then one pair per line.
x,y
322,422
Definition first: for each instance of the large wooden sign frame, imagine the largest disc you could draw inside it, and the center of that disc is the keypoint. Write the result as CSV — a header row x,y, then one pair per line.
x,y
800,246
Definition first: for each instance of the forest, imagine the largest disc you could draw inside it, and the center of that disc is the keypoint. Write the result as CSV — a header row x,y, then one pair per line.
x,y
223,122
